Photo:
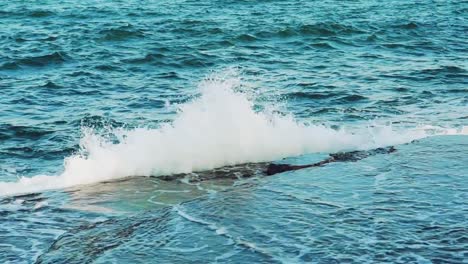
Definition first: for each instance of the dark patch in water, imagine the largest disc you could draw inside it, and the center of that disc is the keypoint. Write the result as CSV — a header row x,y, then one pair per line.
x,y
28,196
465,91
264,168
8,131
353,98
447,73
50,84
10,66
40,13
401,89
372,38
121,33
168,75
443,70
410,25
328,29
44,60
106,67
318,30
96,244
396,45
322,45
312,95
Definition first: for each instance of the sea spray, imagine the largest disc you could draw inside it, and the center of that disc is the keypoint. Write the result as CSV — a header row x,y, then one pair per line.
x,y
219,127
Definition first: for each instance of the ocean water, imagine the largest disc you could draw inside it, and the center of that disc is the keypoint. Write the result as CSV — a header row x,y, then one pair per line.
x,y
100,98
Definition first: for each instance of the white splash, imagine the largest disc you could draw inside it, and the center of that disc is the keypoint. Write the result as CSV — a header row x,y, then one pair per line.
x,y
217,128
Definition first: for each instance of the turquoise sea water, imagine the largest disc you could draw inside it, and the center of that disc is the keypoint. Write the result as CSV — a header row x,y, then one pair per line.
x,y
94,94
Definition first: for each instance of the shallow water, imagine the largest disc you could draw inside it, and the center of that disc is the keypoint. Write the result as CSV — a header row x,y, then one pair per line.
x,y
408,206
94,92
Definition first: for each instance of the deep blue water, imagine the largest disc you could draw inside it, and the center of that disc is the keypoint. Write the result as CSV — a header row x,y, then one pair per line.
x,y
94,91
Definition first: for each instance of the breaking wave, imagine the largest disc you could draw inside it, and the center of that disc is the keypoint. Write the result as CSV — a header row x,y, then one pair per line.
x,y
218,128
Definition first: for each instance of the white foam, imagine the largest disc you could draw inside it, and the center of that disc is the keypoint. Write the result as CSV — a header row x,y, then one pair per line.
x,y
217,128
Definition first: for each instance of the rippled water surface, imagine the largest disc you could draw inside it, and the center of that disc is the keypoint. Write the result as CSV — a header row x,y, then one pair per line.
x,y
93,93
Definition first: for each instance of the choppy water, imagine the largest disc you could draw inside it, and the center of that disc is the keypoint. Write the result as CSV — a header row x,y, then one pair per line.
x,y
95,91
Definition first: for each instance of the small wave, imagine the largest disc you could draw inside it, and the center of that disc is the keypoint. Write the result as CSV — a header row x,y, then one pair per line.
x,y
9,66
8,131
245,38
443,70
446,72
102,67
146,59
222,43
372,38
322,45
50,84
196,61
33,152
410,25
327,95
312,95
319,29
396,45
44,60
48,38
352,98
121,33
39,13
328,29
168,75
463,91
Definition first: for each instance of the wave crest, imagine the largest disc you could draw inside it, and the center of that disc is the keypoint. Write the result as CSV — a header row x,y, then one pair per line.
x,y
218,128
